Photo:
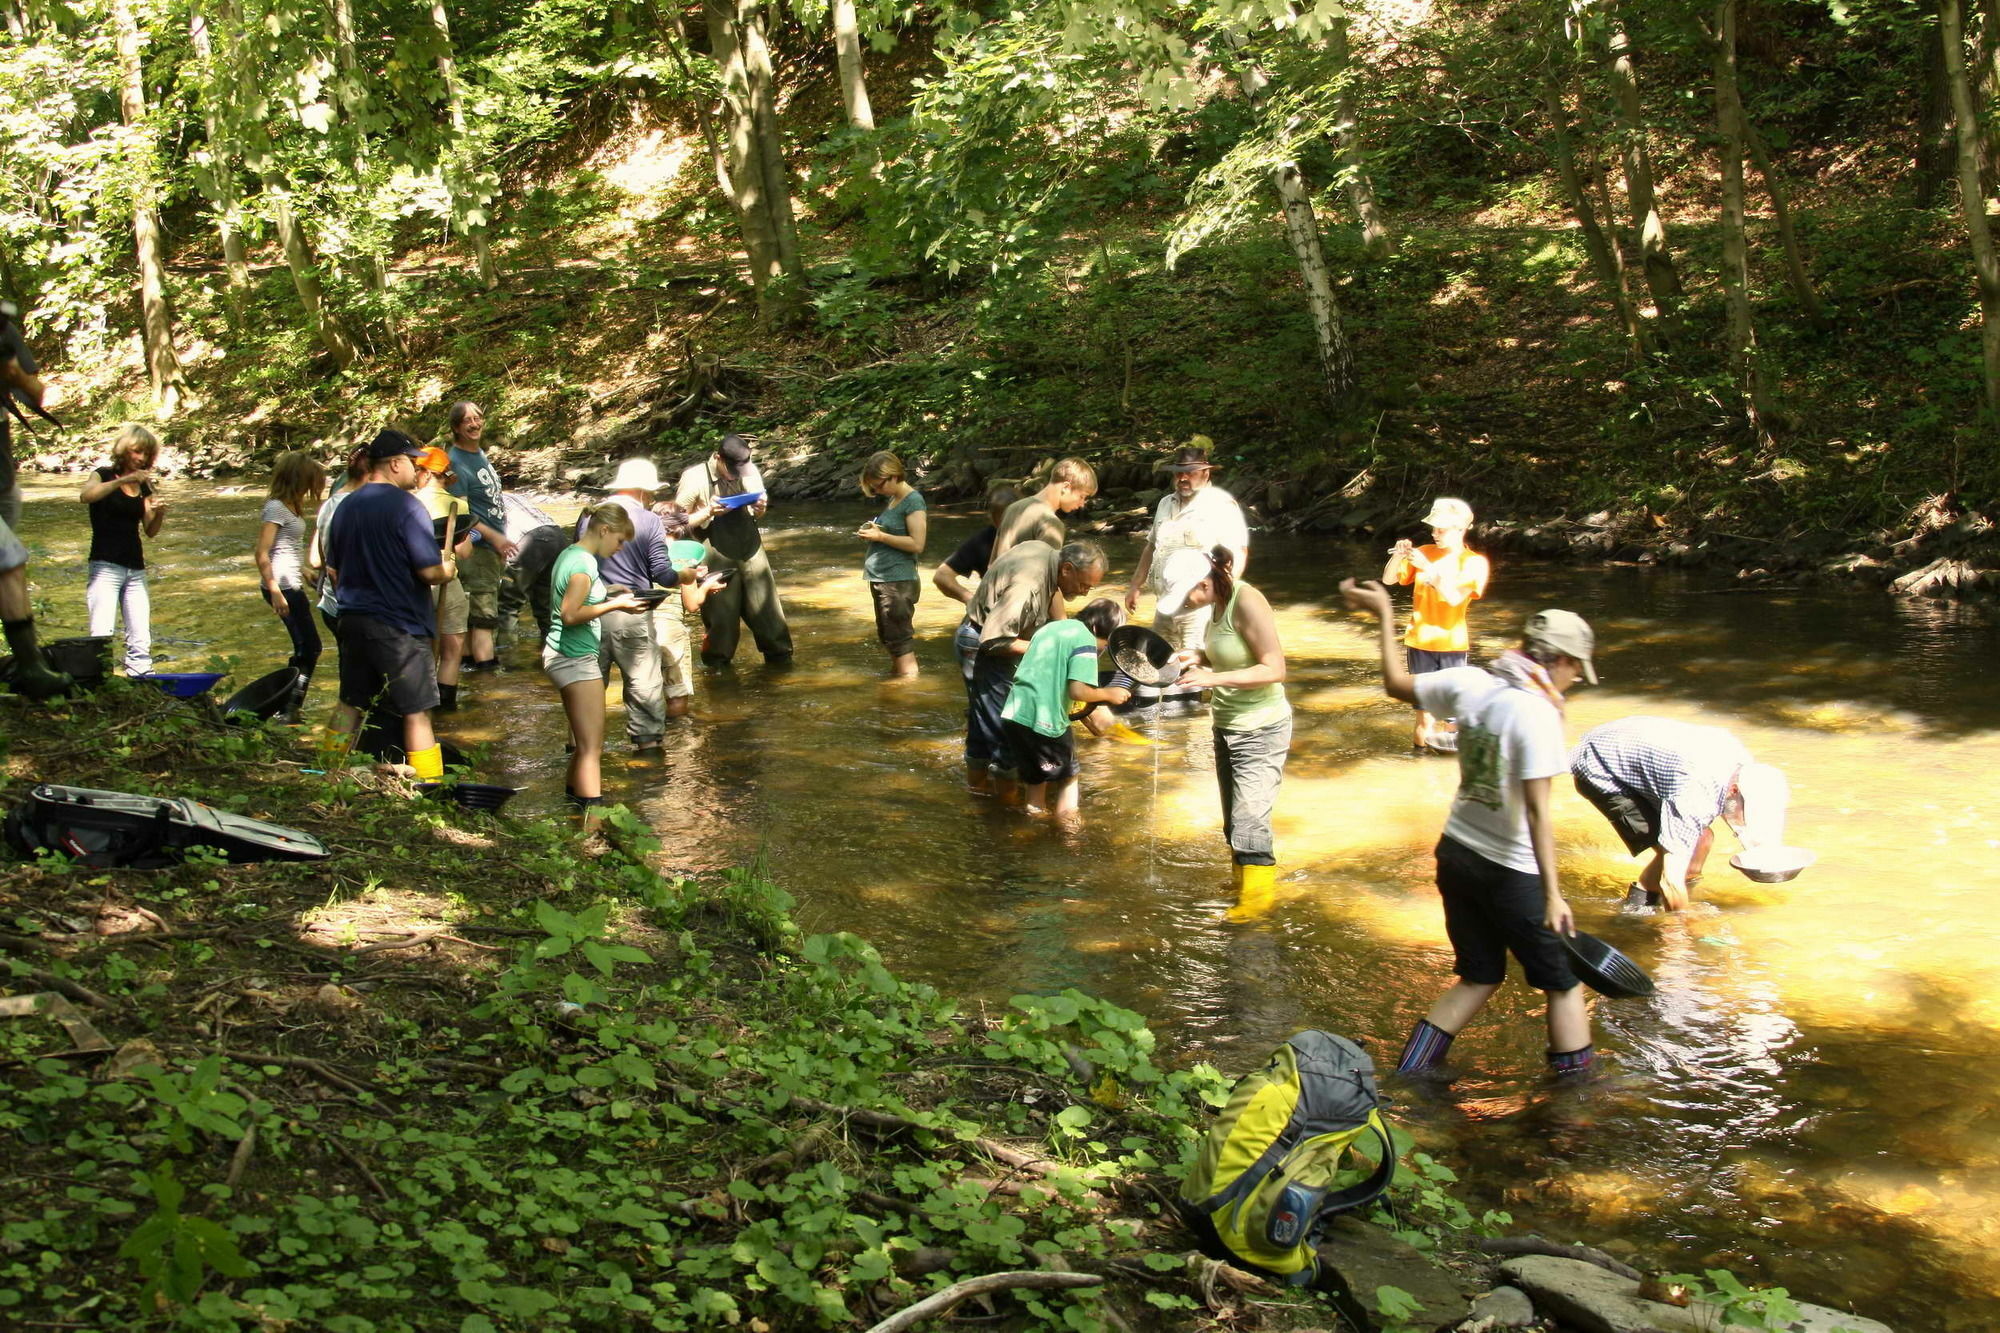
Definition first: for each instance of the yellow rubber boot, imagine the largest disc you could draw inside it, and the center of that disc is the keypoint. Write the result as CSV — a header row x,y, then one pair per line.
x,y
1256,892
428,763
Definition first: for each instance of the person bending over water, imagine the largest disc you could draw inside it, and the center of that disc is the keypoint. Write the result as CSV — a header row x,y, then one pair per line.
x,y
570,653
1060,667
1242,663
123,511
1496,863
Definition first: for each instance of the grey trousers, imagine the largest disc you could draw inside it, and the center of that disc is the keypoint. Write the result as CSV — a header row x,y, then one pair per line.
x,y
1249,765
627,640
749,598
527,580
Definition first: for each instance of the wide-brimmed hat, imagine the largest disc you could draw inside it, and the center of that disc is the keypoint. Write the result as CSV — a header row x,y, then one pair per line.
x,y
636,474
1567,633
1180,574
1766,798
1448,513
1191,456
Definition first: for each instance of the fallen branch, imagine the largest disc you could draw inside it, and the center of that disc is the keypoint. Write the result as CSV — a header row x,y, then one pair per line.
x,y
942,1301
239,1161
317,1068
1555,1250
64,986
359,1165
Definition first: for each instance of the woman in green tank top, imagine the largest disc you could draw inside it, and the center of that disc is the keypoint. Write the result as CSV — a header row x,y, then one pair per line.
x,y
1242,664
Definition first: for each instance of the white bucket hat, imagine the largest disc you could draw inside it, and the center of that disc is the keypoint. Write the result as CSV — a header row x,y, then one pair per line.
x,y
1766,799
636,474
1448,513
1180,574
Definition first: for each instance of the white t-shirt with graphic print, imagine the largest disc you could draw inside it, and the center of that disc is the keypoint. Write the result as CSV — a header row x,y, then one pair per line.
x,y
1506,736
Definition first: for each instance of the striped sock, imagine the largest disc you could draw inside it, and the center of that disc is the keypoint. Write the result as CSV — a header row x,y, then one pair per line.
x,y
1425,1049
1564,1063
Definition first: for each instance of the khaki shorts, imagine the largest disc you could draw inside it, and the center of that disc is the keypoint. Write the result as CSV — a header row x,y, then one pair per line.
x,y
481,573
452,607
568,671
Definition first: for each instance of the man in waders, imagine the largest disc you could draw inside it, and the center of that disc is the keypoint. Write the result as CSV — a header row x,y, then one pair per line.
x,y
1496,863
735,548
32,675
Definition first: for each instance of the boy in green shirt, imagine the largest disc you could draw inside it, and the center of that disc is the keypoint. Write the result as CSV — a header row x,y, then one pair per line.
x,y
1059,667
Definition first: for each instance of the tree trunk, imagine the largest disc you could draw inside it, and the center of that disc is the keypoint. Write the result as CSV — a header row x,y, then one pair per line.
x,y
1656,260
299,258
1781,209
219,177
762,85
1604,260
1744,365
1376,241
1972,196
847,49
1336,354
369,268
156,311
459,180
766,222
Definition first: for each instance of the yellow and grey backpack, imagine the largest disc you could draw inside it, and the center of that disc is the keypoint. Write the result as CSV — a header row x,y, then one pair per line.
x,y
1263,1181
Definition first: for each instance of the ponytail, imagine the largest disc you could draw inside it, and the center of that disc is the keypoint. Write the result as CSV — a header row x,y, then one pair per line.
x,y
1221,562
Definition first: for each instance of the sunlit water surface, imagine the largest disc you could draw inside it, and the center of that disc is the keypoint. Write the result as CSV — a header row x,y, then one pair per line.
x,y
1808,1098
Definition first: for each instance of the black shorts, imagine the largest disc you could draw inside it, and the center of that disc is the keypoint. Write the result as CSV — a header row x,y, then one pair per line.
x,y
1039,758
895,614
1423,661
1635,815
384,669
1492,910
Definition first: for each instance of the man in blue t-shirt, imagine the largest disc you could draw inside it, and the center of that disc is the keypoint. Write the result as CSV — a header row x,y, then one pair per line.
x,y
382,555
478,484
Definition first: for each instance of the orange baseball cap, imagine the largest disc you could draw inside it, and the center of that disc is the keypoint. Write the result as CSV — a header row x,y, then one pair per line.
x,y
434,459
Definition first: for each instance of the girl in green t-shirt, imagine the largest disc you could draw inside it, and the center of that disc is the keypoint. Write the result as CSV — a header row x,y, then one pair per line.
x,y
896,538
570,653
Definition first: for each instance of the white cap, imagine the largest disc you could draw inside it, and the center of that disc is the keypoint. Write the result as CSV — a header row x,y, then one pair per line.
x,y
1766,799
1567,633
636,474
1448,513
1180,574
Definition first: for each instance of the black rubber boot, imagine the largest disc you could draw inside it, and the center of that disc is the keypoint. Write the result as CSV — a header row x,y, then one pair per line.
x,y
32,676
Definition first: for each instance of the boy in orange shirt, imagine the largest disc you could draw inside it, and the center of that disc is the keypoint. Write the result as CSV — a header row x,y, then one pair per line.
x,y
1448,578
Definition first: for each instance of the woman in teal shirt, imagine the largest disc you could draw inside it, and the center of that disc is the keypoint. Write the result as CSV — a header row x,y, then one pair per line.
x,y
1242,664
570,653
896,539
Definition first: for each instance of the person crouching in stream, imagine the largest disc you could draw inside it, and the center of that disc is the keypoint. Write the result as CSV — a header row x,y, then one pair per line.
x,y
570,653
1059,668
1242,664
1496,862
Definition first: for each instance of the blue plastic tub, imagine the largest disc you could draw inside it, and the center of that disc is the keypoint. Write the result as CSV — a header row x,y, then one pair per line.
x,y
183,684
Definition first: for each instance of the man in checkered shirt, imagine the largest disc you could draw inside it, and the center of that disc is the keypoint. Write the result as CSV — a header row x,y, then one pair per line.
x,y
1663,784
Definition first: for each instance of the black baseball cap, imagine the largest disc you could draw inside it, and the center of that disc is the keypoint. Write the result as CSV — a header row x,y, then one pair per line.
x,y
388,443
735,450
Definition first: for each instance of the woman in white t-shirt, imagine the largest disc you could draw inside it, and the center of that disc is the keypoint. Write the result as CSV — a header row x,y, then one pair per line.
x,y
298,482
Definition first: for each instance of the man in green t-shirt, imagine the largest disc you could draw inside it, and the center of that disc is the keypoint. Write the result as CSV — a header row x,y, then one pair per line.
x,y
1060,667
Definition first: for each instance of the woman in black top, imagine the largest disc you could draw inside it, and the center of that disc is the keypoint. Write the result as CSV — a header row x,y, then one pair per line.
x,y
122,507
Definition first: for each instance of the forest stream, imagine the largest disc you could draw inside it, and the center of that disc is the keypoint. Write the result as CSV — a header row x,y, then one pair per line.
x,y
1808,1097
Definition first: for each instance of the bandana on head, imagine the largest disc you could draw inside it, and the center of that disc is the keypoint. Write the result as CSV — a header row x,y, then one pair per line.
x,y
1525,673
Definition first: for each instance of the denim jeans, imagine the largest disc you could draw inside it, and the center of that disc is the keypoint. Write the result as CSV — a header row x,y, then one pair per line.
x,y
114,590
1248,768
298,622
985,742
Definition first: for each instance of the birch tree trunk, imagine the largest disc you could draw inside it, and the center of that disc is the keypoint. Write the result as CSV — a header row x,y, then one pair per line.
x,y
219,177
475,232
769,239
1744,365
1376,241
1656,260
369,268
1604,260
1972,195
1336,354
299,258
156,322
847,50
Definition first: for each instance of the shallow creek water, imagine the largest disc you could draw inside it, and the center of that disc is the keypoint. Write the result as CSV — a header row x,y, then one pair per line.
x,y
1809,1098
